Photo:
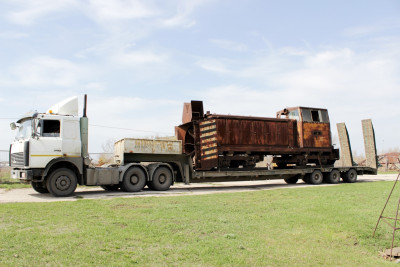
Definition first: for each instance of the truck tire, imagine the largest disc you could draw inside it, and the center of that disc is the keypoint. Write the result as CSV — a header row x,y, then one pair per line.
x,y
332,177
350,176
291,180
134,180
113,187
62,182
162,179
39,187
315,177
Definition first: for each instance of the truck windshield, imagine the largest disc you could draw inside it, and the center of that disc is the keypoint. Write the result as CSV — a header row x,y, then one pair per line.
x,y
24,130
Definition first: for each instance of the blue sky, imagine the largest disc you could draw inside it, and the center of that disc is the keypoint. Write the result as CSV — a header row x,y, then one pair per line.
x,y
138,61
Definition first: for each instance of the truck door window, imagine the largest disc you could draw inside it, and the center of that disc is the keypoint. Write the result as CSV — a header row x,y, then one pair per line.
x,y
50,128
306,114
315,116
294,114
325,117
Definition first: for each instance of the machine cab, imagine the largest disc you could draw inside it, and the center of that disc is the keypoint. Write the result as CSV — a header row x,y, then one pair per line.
x,y
313,127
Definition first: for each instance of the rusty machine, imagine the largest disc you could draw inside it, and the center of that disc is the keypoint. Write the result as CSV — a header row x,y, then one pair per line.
x,y
298,136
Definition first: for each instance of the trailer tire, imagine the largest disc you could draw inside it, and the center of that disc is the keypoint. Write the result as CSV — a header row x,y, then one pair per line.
x,y
134,180
292,180
39,187
332,177
113,187
162,179
62,182
350,176
315,177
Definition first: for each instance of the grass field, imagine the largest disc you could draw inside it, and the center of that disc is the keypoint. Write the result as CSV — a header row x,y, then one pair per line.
x,y
319,225
7,183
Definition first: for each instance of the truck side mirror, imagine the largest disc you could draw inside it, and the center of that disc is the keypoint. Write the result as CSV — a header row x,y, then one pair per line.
x,y
13,126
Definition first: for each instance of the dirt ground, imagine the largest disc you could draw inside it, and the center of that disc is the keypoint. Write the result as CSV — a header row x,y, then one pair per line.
x,y
83,192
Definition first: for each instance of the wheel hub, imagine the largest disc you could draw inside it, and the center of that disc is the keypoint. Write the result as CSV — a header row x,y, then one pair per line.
x,y
63,182
134,179
162,178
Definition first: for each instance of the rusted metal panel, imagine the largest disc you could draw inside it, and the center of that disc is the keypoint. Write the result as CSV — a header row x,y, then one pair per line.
x,y
208,144
192,110
346,157
316,134
250,133
369,143
229,141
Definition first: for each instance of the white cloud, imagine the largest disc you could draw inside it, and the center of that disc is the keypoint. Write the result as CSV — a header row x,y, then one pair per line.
x,y
213,65
45,71
229,45
365,30
30,11
13,35
183,16
120,9
137,58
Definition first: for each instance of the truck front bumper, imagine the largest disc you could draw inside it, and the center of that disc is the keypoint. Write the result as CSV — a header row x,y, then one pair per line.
x,y
26,175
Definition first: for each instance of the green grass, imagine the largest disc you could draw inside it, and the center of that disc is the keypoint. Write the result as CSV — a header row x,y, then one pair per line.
x,y
330,226
388,172
8,183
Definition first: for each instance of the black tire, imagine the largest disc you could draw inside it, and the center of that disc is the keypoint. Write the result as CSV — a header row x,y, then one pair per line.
x,y
134,180
332,177
291,180
113,187
315,177
62,182
39,187
162,179
350,176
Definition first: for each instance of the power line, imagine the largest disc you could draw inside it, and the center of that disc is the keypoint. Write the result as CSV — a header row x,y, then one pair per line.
x,y
128,129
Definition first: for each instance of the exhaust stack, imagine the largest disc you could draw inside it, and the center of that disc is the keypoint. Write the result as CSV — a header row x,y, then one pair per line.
x,y
84,123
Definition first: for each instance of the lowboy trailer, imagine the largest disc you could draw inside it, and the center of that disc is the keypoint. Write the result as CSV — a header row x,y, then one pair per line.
x,y
51,152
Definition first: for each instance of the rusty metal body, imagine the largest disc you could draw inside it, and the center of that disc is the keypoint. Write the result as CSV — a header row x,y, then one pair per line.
x,y
226,141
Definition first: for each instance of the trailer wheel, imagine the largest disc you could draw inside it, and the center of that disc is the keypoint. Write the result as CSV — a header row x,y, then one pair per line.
x,y
134,180
113,187
62,182
162,179
315,177
332,177
39,187
291,180
350,176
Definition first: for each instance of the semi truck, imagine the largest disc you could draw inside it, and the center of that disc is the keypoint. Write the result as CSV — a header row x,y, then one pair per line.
x,y
50,152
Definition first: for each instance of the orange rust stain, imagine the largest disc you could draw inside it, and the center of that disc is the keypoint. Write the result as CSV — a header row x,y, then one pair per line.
x,y
316,134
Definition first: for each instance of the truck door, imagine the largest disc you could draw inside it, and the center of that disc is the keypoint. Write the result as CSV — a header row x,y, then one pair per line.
x,y
315,128
47,144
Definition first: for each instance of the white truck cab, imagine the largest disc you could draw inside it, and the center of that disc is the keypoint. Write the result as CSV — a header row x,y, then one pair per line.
x,y
43,139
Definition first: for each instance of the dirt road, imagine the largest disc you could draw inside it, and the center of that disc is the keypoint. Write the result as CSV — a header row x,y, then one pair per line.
x,y
29,195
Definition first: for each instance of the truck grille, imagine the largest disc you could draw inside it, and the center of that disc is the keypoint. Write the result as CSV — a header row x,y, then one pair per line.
x,y
17,159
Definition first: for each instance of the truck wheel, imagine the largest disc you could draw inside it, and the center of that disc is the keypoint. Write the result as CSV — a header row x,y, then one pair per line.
x,y
134,180
332,177
39,187
350,176
113,187
291,180
315,177
62,182
162,179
